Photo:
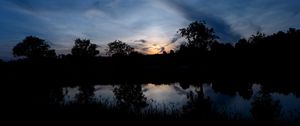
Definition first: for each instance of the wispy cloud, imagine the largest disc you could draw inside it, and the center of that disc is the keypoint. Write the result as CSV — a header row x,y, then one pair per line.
x,y
240,18
141,41
154,21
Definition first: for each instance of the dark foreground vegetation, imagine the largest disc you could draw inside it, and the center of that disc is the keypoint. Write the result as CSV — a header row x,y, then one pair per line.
x,y
270,60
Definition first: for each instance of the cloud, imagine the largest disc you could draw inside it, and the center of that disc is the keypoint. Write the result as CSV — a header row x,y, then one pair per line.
x,y
162,49
53,5
238,18
101,21
141,41
156,21
175,38
191,13
145,49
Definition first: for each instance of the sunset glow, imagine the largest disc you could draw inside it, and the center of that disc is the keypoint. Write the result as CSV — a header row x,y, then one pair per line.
x,y
155,21
192,62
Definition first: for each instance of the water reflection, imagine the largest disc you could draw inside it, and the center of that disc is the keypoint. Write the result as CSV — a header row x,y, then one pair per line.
x,y
232,105
192,98
104,93
70,94
289,105
264,108
130,95
167,96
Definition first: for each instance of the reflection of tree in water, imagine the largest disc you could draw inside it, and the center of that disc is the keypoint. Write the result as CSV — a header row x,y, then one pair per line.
x,y
264,109
230,88
86,93
130,95
198,106
56,95
184,85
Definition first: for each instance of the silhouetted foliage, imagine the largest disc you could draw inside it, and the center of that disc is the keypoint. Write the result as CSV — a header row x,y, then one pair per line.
x,y
84,48
86,93
221,48
119,48
172,52
198,36
242,44
130,95
198,107
33,48
136,54
56,96
264,109
164,53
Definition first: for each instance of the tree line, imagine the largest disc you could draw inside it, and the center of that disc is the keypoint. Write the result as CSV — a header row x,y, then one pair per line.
x,y
202,55
35,48
199,40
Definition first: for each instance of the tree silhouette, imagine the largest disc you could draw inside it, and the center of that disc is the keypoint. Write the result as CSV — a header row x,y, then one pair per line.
x,y
84,48
242,44
198,36
33,48
257,38
221,47
86,94
198,107
172,52
264,109
130,95
56,96
119,48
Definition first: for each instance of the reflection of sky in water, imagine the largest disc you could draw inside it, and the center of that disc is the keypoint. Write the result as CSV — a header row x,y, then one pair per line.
x,y
167,96
173,96
104,93
231,105
290,105
70,94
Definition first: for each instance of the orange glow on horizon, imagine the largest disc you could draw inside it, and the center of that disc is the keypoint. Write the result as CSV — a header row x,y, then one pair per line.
x,y
157,47
157,41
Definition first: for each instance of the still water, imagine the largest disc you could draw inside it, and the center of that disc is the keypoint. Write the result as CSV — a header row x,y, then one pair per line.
x,y
174,97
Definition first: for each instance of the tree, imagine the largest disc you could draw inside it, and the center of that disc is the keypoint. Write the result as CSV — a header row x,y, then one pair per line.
x,y
86,94
33,48
84,48
119,48
172,52
242,44
198,107
221,47
258,40
198,36
264,108
257,37
130,95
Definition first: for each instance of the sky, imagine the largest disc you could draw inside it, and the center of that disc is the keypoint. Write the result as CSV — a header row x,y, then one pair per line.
x,y
148,25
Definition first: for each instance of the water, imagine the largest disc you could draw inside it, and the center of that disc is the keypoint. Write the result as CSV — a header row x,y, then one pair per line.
x,y
179,98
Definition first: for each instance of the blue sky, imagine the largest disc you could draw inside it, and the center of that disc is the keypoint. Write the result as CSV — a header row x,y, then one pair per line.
x,y
148,25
